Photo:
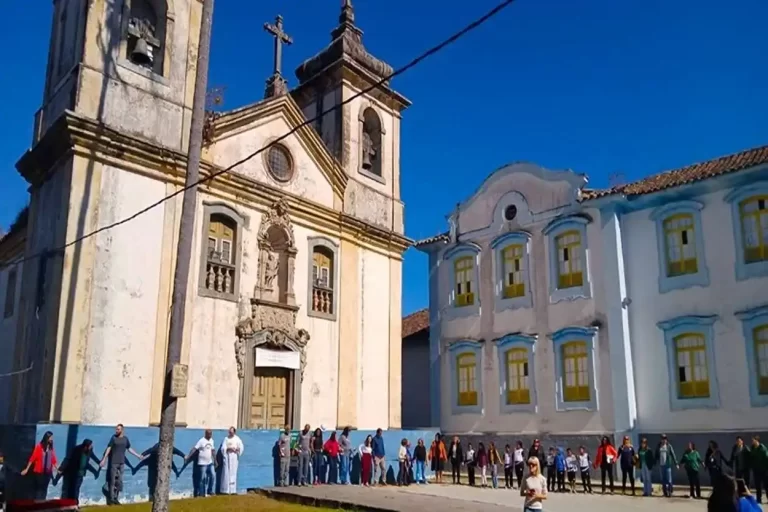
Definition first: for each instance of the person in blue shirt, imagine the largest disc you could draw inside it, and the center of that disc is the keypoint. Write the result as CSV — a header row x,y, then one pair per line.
x,y
560,467
379,459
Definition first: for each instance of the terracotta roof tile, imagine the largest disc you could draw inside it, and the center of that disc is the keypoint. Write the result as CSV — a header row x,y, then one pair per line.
x,y
415,322
685,175
442,237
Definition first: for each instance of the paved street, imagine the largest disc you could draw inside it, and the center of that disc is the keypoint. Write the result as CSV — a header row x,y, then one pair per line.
x,y
449,498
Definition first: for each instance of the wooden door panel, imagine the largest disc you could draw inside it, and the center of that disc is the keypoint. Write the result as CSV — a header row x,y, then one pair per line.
x,y
269,398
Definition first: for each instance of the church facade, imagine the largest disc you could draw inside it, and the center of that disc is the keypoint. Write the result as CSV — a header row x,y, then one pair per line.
x,y
560,311
293,306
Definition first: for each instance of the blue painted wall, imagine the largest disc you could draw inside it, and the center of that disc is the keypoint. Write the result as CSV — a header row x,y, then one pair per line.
x,y
256,465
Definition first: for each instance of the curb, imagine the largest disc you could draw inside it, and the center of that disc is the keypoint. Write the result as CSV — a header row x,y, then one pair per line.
x,y
288,497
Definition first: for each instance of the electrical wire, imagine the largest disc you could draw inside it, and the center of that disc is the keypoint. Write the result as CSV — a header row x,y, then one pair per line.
x,y
417,60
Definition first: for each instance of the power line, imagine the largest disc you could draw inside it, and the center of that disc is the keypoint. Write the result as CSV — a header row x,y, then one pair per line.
x,y
435,49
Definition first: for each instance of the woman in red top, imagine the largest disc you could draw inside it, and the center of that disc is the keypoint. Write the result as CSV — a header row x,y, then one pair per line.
x,y
331,449
438,456
43,464
605,460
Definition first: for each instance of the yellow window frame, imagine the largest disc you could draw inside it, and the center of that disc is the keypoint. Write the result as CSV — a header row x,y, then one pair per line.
x,y
466,377
760,251
760,338
573,353
518,392
513,256
464,269
682,265
572,278
693,388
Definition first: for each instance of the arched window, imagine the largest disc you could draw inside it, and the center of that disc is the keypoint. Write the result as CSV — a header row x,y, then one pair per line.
x,y
370,145
322,272
147,23
220,248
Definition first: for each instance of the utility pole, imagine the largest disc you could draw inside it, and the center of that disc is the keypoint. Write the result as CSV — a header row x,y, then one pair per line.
x,y
176,374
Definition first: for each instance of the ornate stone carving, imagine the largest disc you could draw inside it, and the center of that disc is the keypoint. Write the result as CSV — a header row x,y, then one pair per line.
x,y
271,267
277,215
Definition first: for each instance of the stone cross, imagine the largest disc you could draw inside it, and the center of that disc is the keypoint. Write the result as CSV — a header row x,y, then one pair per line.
x,y
280,38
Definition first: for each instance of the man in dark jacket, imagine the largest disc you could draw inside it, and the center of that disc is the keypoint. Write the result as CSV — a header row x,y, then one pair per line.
x,y
758,462
740,460
73,469
456,455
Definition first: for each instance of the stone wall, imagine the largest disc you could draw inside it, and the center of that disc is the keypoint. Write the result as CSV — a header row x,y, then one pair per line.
x,y
256,465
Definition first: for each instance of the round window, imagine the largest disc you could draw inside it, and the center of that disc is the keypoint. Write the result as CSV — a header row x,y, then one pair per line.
x,y
279,163
510,212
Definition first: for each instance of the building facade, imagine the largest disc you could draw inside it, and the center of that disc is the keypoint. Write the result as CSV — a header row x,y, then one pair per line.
x,y
560,310
293,307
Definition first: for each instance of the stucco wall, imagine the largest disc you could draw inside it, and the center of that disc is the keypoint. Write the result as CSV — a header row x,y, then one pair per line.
x,y
308,180
8,336
374,341
117,379
256,466
724,296
540,196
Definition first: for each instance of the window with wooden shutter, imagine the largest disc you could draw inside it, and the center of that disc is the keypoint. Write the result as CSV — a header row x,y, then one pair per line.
x,y
518,390
575,371
680,245
692,370
466,368
514,271
570,269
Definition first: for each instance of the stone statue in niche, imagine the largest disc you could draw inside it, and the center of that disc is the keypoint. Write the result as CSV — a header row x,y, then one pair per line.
x,y
369,151
271,269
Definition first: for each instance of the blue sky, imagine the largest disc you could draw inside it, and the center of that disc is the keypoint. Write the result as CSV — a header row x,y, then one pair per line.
x,y
597,86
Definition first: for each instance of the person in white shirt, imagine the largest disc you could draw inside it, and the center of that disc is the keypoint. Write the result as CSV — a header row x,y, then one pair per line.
x,y
519,460
469,461
584,465
204,475
571,466
534,488
508,481
231,450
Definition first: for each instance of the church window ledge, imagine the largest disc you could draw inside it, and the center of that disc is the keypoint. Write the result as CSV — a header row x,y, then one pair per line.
x,y
464,276
220,252
754,323
568,259
371,148
466,359
322,296
512,283
680,246
575,385
691,367
749,214
517,388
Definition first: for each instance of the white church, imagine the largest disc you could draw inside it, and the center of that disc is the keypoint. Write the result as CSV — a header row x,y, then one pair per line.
x,y
293,312
556,310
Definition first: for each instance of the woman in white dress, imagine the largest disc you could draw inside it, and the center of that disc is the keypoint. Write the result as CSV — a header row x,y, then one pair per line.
x,y
231,450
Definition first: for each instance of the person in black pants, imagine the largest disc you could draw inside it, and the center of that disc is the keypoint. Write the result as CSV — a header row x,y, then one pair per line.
x,y
469,461
519,461
551,473
606,459
740,460
758,461
584,465
508,481
627,462
73,469
456,455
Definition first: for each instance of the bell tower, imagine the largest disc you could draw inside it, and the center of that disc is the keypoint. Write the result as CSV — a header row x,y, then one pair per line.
x,y
129,64
364,134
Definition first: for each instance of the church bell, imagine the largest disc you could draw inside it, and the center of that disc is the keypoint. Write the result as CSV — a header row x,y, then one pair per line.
x,y
141,54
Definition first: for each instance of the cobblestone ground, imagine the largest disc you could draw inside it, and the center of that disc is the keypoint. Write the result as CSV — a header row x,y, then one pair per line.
x,y
450,498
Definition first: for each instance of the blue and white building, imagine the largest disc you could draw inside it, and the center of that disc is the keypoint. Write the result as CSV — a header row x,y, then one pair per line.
x,y
559,310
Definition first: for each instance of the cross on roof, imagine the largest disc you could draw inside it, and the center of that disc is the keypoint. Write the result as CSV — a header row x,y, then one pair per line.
x,y
280,38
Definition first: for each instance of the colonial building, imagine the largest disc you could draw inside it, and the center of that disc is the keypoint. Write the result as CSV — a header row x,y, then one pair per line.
x,y
559,309
293,307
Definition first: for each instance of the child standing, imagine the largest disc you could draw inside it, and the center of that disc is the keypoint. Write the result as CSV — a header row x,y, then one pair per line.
x,y
571,466
560,468
551,469
493,461
519,460
507,467
584,465
482,463
469,461
420,457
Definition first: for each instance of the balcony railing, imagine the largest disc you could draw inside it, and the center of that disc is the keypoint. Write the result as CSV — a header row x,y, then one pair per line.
x,y
220,277
322,299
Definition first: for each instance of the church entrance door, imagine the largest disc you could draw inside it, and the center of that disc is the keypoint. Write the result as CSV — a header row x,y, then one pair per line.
x,y
271,405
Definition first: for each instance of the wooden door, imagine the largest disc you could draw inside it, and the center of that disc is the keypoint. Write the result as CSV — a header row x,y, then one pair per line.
x,y
270,398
